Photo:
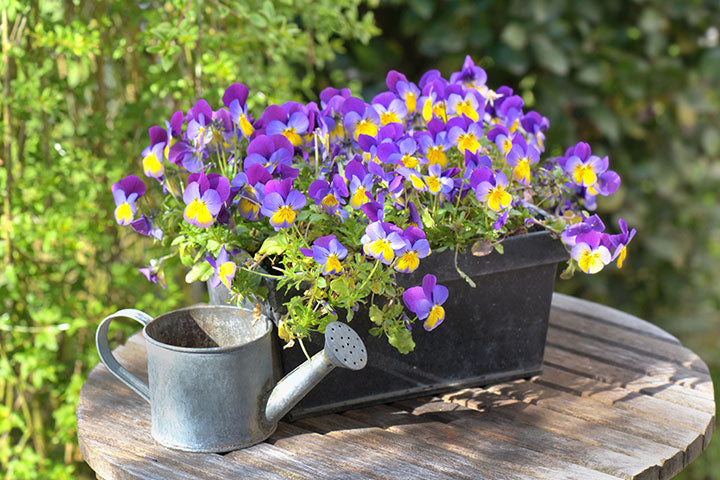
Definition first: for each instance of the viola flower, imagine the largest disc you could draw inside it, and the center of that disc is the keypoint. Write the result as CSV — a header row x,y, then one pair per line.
x,y
224,269
490,188
381,240
282,203
390,108
426,301
620,242
471,76
535,124
436,182
154,273
234,100
153,155
434,143
251,185
414,177
465,134
607,183
405,154
590,252
509,109
327,251
143,226
330,196
292,126
500,136
409,255
433,106
274,152
125,193
415,220
204,196
474,161
501,220
521,156
583,167
468,105
360,118
407,91
199,119
592,223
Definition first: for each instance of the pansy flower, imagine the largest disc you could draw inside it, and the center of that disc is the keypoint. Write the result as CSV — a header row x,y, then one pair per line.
x,y
144,226
590,252
282,203
390,108
535,125
426,301
470,76
467,105
406,154
583,167
620,242
360,118
327,251
436,182
520,157
125,193
273,152
433,103
434,143
251,185
407,91
500,136
234,100
277,121
592,223
153,154
361,183
465,133
474,161
409,255
381,240
204,196
224,270
509,110
490,188
330,196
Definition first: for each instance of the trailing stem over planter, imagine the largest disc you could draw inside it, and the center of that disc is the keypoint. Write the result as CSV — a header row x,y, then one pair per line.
x,y
337,199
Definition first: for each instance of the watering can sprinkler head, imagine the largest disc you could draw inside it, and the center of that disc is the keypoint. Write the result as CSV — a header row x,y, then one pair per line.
x,y
343,348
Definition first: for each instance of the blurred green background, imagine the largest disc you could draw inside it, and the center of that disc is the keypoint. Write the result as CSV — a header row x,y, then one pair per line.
x,y
82,82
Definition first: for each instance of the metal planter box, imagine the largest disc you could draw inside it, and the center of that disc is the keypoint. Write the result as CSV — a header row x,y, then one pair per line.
x,y
491,334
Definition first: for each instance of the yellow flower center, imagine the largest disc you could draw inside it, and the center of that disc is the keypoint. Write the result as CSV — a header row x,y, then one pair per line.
x,y
409,161
465,108
389,117
433,184
407,262
436,156
291,135
123,213
152,166
437,315
590,261
330,200
365,127
467,141
522,170
584,175
332,264
284,215
498,198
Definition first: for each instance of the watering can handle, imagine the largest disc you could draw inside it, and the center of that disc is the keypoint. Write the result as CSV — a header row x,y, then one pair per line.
x,y
103,348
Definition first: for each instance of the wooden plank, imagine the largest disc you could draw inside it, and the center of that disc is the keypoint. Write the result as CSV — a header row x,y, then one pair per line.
x,y
653,429
286,464
614,355
629,379
407,448
641,343
517,461
609,316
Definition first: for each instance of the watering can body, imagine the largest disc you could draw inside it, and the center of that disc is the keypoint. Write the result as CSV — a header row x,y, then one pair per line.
x,y
211,386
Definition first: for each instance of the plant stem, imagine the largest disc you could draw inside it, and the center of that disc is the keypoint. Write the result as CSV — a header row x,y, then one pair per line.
x,y
302,346
266,275
377,262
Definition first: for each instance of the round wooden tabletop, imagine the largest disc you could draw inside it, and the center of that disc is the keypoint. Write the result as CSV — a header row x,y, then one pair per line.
x,y
618,398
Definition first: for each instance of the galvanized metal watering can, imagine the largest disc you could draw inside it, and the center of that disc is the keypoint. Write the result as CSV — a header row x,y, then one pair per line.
x,y
210,375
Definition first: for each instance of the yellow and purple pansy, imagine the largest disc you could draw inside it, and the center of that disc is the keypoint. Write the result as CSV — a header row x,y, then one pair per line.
x,y
125,193
409,255
426,301
223,269
281,203
290,120
590,252
328,252
521,156
204,196
490,188
234,100
380,241
330,196
465,134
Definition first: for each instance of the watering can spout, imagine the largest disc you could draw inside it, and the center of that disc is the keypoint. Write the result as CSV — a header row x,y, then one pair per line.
x,y
343,348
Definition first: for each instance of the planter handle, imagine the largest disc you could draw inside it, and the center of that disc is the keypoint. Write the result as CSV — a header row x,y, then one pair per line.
x,y
106,356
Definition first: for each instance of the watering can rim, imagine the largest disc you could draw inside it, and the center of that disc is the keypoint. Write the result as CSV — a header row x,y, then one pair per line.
x,y
208,350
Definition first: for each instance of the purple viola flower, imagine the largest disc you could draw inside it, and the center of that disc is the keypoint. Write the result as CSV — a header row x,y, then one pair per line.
x,y
535,125
620,242
521,156
374,211
433,104
416,247
490,188
330,196
234,100
390,108
250,187
407,91
154,273
434,143
465,134
510,110
224,269
125,193
327,251
415,219
474,161
501,220
500,136
381,240
607,183
436,182
426,301
467,105
590,252
199,120
204,196
405,154
144,226
592,223
278,122
414,177
189,157
361,183
360,118
471,76
582,166
282,203
274,152
153,155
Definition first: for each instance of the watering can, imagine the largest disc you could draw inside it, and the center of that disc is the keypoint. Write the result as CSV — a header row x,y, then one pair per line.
x,y
210,374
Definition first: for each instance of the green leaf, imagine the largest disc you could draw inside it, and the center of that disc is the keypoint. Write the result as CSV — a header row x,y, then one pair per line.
x,y
199,271
549,55
500,248
275,245
401,339
376,315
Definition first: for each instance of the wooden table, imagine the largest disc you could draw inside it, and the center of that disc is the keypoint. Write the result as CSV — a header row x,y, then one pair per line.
x,y
618,398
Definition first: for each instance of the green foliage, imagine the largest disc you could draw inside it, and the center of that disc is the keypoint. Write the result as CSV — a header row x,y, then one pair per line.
x,y
80,81
639,81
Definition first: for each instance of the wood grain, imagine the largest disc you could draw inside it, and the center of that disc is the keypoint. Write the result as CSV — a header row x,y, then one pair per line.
x,y
618,398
